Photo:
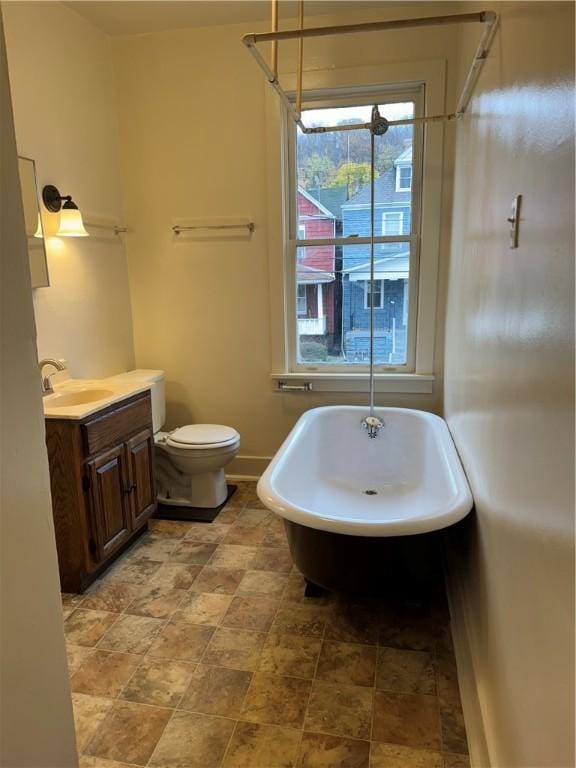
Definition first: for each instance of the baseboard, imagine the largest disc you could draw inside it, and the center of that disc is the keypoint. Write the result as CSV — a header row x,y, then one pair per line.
x,y
467,677
247,467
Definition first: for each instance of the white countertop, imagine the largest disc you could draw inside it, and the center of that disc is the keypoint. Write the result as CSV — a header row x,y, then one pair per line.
x,y
102,393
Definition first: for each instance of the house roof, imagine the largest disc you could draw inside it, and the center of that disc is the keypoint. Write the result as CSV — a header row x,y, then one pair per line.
x,y
308,274
384,192
405,157
384,186
333,198
395,267
328,214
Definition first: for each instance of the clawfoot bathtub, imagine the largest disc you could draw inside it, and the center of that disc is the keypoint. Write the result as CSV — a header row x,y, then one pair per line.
x,y
362,513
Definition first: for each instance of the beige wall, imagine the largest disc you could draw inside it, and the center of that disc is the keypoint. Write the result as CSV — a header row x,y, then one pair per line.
x,y
63,91
193,137
509,397
36,714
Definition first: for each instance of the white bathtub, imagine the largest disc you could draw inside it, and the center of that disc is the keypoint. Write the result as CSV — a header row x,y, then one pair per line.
x,y
321,473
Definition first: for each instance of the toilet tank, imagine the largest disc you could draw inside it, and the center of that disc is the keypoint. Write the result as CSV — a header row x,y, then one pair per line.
x,y
157,393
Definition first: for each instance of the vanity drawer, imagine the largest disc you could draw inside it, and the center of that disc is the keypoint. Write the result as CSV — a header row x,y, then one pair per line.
x,y
112,427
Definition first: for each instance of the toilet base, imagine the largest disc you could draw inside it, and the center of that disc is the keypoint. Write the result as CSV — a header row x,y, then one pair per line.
x,y
192,514
204,489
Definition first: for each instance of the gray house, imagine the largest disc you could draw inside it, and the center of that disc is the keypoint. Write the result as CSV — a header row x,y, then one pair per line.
x,y
393,196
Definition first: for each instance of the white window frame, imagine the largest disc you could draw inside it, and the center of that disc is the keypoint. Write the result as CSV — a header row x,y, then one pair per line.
x,y
367,294
400,215
353,97
399,187
431,74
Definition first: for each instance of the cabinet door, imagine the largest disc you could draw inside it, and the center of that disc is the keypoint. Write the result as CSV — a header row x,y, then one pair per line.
x,y
110,500
140,450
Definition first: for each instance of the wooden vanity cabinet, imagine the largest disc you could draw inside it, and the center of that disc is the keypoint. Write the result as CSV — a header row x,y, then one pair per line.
x,y
140,449
102,482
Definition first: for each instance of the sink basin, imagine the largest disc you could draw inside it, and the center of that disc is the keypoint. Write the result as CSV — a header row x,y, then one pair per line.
x,y
62,399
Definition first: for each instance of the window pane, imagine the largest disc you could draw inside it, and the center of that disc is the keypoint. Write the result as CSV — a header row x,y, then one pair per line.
x,y
404,176
336,326
333,169
392,223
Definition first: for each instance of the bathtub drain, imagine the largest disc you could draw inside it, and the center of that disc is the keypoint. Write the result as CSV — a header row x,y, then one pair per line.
x,y
371,492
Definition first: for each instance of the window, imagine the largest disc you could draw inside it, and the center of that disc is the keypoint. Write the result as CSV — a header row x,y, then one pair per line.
x,y
392,222
403,178
378,294
327,364
330,188
302,300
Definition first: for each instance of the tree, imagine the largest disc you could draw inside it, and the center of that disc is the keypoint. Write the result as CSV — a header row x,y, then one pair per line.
x,y
316,171
385,156
352,176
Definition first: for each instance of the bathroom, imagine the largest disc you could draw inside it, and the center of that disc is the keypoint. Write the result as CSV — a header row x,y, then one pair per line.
x,y
154,115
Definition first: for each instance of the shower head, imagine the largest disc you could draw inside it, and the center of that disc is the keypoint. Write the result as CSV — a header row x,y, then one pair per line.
x,y
378,124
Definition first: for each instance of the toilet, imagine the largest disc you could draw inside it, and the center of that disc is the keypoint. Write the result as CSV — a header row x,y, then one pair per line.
x,y
190,460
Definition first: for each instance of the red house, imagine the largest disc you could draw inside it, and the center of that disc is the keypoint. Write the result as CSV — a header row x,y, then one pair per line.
x,y
315,268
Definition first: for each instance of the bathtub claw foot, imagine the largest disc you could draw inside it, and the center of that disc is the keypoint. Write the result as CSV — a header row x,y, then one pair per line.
x,y
313,590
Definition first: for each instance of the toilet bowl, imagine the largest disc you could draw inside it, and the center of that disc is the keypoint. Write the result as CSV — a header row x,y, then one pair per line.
x,y
190,464
190,460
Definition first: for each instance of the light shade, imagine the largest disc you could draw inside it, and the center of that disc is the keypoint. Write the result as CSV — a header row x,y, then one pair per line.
x,y
39,233
71,224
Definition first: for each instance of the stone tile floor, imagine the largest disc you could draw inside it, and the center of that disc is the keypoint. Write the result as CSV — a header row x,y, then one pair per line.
x,y
198,649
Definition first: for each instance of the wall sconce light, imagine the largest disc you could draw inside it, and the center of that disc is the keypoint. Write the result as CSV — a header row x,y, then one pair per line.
x,y
71,224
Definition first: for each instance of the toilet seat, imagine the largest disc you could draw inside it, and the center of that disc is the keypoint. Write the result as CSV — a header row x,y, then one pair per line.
x,y
202,437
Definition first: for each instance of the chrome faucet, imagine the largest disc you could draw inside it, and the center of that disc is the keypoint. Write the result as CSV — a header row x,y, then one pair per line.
x,y
47,388
372,424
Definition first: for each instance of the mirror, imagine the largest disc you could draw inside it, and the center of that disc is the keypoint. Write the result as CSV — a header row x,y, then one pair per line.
x,y
33,219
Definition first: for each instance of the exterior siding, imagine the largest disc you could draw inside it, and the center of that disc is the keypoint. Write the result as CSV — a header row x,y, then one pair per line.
x,y
318,225
356,221
356,323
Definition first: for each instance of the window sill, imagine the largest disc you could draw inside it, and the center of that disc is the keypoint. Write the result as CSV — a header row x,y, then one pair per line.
x,y
406,383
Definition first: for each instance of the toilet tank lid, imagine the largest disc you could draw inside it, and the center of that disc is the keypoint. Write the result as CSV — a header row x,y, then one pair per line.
x,y
203,434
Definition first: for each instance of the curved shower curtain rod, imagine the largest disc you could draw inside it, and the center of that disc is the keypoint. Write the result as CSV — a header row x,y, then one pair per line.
x,y
488,18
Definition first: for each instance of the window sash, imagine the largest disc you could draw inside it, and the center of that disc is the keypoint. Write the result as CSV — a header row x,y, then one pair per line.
x,y
293,242
412,239
294,366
